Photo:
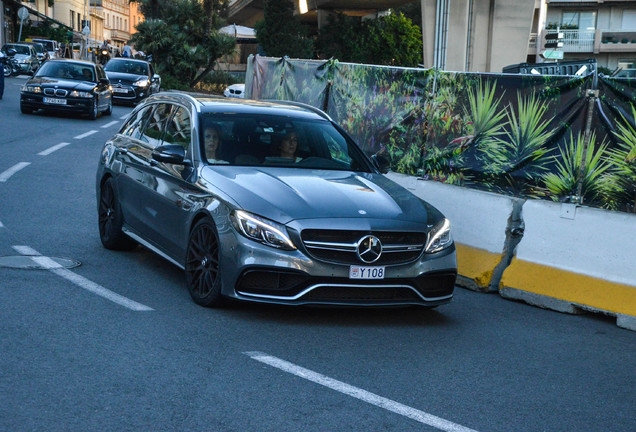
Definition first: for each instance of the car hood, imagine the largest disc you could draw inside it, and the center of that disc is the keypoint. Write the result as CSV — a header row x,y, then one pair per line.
x,y
22,57
112,76
286,194
62,83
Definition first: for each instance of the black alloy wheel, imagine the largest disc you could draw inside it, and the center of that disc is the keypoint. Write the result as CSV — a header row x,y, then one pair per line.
x,y
111,220
202,265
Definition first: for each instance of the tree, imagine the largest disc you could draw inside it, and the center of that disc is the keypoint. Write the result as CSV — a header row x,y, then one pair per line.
x,y
387,40
182,37
281,33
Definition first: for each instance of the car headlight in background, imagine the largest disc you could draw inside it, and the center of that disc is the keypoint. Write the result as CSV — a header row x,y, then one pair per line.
x,y
439,237
32,89
262,230
80,94
141,83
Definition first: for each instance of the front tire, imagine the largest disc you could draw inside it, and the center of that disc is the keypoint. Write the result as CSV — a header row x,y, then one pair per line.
x,y
94,110
111,220
25,110
109,110
202,266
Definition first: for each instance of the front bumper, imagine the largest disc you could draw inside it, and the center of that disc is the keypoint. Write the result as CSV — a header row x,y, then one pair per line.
x,y
130,94
36,101
258,273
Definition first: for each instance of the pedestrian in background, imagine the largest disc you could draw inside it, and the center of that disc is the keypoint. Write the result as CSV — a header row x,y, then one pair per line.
x,y
127,50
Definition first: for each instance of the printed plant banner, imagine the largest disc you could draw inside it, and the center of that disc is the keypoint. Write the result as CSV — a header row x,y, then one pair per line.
x,y
521,135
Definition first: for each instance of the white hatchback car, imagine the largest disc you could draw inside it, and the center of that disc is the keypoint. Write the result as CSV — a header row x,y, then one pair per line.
x,y
235,91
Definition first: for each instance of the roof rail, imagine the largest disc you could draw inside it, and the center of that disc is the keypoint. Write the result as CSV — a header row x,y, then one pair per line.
x,y
315,110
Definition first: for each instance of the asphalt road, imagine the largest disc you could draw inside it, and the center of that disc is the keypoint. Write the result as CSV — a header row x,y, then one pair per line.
x,y
116,344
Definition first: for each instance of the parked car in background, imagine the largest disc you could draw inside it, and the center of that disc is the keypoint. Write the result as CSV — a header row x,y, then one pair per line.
x,y
41,52
25,57
269,202
235,91
68,85
132,80
51,46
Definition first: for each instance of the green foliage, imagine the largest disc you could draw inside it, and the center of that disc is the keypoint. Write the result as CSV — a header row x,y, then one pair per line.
x,y
280,33
46,30
622,177
518,160
388,40
182,39
572,170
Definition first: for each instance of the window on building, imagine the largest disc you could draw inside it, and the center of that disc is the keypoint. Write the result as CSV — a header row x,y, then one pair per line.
x,y
628,68
72,19
126,24
629,20
579,20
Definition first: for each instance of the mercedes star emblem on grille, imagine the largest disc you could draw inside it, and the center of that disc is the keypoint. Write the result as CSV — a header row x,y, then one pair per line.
x,y
369,249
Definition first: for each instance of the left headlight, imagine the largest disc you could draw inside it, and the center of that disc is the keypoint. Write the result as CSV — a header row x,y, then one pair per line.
x,y
262,230
439,237
80,94
141,83
33,89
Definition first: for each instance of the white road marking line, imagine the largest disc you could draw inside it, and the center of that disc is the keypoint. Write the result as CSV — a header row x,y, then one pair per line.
x,y
1,226
14,169
84,135
358,393
107,125
80,281
50,150
124,117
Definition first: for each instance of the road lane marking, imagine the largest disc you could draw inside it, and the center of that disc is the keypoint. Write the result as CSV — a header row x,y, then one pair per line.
x,y
80,281
355,392
114,122
14,169
84,135
50,150
1,226
124,117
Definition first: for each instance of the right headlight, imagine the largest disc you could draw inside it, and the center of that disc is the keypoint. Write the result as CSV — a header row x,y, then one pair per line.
x,y
439,237
262,230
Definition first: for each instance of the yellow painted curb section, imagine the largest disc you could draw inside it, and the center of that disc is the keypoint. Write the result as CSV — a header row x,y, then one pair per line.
x,y
572,287
476,264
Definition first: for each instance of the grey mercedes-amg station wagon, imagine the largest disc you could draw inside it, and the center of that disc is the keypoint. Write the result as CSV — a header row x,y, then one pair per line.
x,y
269,202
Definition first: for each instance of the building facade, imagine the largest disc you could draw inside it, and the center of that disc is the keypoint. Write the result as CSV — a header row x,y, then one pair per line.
x,y
604,30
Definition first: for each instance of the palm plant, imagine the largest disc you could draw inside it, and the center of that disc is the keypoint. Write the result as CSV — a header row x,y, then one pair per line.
x,y
571,170
621,182
513,164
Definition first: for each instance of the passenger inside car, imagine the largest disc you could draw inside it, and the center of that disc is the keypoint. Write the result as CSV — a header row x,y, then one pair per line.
x,y
211,143
287,147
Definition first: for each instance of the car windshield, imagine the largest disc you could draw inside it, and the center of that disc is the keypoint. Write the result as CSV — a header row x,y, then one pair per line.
x,y
268,140
125,66
48,45
38,48
19,49
65,70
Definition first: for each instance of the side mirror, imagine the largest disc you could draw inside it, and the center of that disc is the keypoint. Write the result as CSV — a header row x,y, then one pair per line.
x,y
104,81
381,163
156,77
169,153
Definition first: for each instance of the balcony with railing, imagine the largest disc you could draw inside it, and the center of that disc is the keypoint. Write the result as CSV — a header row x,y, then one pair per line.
x,y
576,40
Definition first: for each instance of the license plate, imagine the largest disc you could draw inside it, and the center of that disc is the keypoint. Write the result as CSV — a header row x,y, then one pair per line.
x,y
357,272
55,101
120,90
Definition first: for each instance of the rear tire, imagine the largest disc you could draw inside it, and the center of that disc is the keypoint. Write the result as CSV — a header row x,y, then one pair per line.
x,y
202,266
111,220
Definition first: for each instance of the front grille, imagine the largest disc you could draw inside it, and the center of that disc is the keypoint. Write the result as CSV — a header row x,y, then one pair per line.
x,y
362,294
339,246
55,92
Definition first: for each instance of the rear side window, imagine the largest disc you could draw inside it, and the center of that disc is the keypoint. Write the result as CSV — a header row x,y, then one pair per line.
x,y
178,130
156,125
